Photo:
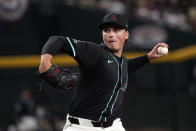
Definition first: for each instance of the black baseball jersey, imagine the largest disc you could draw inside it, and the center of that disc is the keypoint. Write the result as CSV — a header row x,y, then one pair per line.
x,y
104,78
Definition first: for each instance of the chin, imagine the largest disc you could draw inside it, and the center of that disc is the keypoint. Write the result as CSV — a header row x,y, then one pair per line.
x,y
114,50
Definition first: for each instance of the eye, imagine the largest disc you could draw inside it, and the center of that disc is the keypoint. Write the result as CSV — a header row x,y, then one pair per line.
x,y
106,30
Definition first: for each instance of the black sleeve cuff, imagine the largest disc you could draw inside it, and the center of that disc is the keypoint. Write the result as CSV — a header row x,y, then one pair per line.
x,y
135,63
145,58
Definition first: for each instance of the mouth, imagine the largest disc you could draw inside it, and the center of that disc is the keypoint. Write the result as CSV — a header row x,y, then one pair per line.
x,y
112,41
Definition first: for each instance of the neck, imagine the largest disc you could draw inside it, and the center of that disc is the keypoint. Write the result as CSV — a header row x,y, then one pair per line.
x,y
119,53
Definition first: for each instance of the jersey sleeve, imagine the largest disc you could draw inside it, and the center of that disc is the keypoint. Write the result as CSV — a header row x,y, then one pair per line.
x,y
135,63
85,53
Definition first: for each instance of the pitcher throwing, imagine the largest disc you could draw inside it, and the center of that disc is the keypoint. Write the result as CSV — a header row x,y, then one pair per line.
x,y
97,105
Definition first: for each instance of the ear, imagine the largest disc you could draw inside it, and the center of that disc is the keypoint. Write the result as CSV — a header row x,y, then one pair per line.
x,y
127,35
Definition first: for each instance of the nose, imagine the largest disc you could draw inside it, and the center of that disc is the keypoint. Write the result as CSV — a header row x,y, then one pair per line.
x,y
111,34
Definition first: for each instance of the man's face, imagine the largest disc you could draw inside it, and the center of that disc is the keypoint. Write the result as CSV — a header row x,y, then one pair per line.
x,y
114,38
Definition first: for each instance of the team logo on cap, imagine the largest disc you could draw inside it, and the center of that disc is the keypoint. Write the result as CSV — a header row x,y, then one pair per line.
x,y
114,18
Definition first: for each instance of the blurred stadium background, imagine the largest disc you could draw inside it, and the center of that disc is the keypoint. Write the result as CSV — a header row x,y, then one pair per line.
x,y
161,96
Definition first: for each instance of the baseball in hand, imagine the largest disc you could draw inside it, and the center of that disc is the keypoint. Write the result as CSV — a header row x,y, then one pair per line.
x,y
162,50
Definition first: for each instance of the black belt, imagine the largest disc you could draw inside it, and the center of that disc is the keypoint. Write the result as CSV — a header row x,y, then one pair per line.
x,y
94,123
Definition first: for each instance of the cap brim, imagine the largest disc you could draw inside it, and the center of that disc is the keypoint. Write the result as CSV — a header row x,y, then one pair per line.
x,y
104,25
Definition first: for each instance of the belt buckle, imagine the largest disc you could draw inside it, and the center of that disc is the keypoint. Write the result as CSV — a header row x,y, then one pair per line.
x,y
103,124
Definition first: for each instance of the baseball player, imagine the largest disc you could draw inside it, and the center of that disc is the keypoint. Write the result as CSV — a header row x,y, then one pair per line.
x,y
97,105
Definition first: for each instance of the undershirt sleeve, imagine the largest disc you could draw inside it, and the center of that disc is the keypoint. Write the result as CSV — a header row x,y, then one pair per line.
x,y
135,63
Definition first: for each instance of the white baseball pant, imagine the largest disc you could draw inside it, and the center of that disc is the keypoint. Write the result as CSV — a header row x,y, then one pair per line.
x,y
86,125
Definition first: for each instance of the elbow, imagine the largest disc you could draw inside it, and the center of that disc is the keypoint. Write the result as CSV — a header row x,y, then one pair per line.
x,y
53,38
53,45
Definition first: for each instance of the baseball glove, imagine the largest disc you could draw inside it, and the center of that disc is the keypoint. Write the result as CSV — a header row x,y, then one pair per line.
x,y
59,78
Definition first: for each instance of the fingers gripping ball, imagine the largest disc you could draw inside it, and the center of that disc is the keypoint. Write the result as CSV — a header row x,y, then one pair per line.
x,y
59,78
162,50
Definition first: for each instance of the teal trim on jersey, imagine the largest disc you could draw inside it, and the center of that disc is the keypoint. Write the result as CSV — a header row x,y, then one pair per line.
x,y
114,102
118,90
74,53
125,83
121,70
112,93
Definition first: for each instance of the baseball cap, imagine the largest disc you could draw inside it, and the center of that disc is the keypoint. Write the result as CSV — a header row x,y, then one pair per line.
x,y
116,19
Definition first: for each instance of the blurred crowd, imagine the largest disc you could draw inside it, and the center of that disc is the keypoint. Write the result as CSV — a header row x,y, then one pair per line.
x,y
31,116
179,14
